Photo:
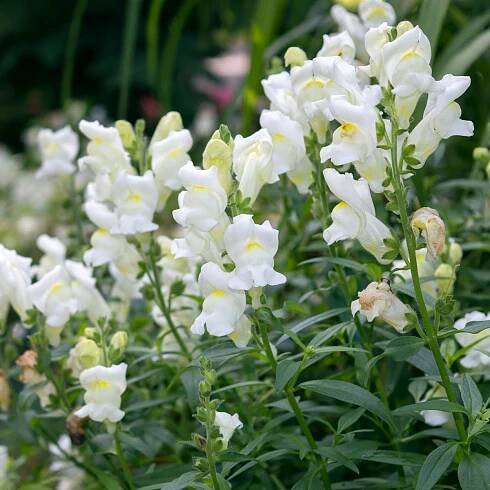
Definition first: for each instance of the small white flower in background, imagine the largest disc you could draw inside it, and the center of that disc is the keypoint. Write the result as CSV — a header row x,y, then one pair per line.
x,y
252,248
427,222
227,424
15,274
174,268
288,146
377,301
479,355
54,254
168,156
354,217
58,151
70,476
4,457
374,12
105,151
302,175
340,44
435,418
203,203
222,307
441,118
103,387
135,199
252,163
65,290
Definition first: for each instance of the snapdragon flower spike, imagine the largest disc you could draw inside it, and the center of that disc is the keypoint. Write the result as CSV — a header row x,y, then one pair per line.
x,y
223,307
252,248
441,118
15,273
104,387
203,203
252,163
105,151
58,151
65,290
227,424
377,300
354,217
478,356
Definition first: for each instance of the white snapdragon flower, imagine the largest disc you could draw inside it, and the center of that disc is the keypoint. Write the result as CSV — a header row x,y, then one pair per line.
x,y
58,151
287,140
279,90
168,156
227,424
203,203
479,355
135,200
54,254
351,23
252,248
354,217
427,223
340,44
174,268
105,151
302,175
15,274
104,387
223,308
65,290
374,12
441,118
252,163
377,300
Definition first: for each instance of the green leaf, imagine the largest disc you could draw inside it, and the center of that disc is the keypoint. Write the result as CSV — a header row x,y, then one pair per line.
x,y
395,457
350,393
284,372
474,472
475,327
335,455
403,347
181,482
471,395
431,17
443,405
435,466
349,418
107,481
190,379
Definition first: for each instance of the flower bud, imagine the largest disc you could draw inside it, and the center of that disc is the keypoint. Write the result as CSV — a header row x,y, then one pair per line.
x,y
403,27
172,121
481,153
295,57
445,278
87,353
89,333
455,253
126,133
4,393
204,388
427,222
218,154
119,340
349,4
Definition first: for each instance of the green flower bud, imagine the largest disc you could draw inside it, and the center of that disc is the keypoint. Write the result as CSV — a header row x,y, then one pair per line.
x,y
90,333
445,278
126,132
295,57
455,253
87,353
403,27
119,340
349,4
172,121
481,153
218,154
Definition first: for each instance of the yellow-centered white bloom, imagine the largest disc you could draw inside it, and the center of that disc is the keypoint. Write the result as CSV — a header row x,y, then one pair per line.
x,y
288,146
58,151
15,274
252,163
54,254
340,44
351,23
377,301
479,355
374,12
103,387
441,118
252,248
427,223
203,203
354,217
223,307
65,290
227,424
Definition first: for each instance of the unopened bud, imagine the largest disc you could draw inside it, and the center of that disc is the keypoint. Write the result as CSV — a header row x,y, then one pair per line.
x,y
349,4
481,153
119,340
448,349
204,388
219,154
87,353
295,57
403,27
172,121
89,333
427,222
126,133
445,278
455,253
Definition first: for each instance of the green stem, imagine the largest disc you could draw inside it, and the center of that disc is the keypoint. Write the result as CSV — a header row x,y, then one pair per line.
x,y
419,297
122,460
210,456
129,44
71,45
